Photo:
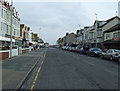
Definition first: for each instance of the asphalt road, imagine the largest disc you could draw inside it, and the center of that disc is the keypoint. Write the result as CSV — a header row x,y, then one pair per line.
x,y
60,69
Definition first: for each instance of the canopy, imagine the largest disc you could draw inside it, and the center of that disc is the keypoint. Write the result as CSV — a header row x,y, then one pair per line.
x,y
6,39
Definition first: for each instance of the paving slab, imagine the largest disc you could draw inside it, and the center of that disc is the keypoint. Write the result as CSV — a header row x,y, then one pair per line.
x,y
15,69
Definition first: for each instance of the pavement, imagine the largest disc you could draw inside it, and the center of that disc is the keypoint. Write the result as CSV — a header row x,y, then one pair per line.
x,y
16,69
60,69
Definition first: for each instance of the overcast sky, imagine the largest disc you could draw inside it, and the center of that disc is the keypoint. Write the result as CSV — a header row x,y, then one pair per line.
x,y
52,20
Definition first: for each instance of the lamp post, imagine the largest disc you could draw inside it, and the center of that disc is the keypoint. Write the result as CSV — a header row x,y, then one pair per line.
x,y
11,13
96,29
79,40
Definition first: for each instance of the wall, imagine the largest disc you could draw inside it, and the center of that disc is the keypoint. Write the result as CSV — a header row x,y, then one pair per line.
x,y
6,54
70,38
110,24
14,52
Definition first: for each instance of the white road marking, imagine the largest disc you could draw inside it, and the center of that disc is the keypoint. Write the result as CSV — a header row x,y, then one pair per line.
x,y
91,64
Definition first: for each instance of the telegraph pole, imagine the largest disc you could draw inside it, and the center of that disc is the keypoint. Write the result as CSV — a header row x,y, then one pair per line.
x,y
96,29
11,12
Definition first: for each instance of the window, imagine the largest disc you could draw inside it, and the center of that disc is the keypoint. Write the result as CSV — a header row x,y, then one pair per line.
x,y
7,29
108,36
14,32
2,13
115,35
99,33
118,34
97,24
109,51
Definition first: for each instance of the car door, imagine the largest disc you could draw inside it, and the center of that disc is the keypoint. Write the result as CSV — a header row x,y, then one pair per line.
x,y
108,54
90,51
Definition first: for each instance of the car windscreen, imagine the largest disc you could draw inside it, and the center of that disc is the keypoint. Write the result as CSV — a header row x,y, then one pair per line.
x,y
117,51
97,49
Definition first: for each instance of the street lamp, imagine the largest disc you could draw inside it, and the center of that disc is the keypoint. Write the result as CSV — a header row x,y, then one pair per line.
x,y
11,12
96,29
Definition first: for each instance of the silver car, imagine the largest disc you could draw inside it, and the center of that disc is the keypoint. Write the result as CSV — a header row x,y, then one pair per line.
x,y
111,54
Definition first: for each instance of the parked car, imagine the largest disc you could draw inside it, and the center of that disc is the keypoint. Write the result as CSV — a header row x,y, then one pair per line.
x,y
85,48
64,48
73,49
111,54
83,51
77,49
95,52
69,48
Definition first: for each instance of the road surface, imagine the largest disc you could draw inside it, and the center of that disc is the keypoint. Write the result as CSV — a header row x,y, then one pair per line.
x,y
60,69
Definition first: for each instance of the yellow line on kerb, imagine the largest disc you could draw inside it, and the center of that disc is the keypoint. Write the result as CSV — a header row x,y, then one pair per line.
x,y
37,73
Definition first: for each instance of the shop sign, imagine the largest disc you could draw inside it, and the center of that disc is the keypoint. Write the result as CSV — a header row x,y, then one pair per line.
x,y
8,36
115,38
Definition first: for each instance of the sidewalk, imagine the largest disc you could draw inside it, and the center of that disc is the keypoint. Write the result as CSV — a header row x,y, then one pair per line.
x,y
15,69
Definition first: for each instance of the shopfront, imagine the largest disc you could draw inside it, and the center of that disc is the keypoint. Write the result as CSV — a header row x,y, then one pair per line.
x,y
5,42
112,44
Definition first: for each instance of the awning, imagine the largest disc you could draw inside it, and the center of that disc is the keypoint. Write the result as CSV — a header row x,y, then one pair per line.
x,y
111,42
6,39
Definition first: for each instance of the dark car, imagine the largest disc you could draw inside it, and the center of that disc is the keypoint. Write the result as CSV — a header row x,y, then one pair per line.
x,y
119,60
83,51
77,49
85,48
95,52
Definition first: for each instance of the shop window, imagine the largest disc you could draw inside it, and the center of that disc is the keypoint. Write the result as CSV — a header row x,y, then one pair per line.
x,y
118,34
108,36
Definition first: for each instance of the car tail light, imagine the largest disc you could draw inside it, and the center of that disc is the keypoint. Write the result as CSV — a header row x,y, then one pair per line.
x,y
116,54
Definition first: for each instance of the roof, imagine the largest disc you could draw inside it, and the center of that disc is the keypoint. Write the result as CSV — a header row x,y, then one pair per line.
x,y
109,20
114,28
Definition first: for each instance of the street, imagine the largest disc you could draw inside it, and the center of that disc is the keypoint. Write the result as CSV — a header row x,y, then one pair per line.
x,y
61,69
59,45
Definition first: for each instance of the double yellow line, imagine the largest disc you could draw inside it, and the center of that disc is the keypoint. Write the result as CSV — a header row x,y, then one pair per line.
x,y
34,81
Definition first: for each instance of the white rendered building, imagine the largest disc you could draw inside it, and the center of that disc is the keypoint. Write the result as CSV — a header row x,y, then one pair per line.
x,y
5,24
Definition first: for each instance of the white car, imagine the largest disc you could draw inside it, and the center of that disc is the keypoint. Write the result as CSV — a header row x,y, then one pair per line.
x,y
64,48
111,54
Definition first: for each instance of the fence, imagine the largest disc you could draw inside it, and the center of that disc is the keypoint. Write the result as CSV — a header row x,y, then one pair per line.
x,y
15,52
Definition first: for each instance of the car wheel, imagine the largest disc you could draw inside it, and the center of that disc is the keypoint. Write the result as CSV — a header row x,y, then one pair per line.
x,y
111,58
93,54
88,54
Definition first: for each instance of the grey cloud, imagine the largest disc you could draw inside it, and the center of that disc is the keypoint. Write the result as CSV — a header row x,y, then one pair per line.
x,y
53,18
